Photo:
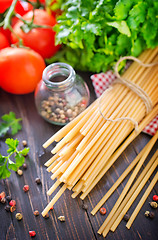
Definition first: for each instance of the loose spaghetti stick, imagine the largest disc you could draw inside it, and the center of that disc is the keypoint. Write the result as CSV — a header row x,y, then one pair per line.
x,y
61,133
131,196
53,164
118,152
53,201
118,182
141,202
51,160
74,194
134,191
52,189
129,183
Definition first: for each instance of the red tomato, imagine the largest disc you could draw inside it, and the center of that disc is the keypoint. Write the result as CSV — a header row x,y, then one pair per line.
x,y
21,7
4,4
20,70
3,41
6,32
42,40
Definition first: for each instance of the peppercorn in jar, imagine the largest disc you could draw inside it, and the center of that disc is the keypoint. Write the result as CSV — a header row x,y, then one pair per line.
x,y
61,95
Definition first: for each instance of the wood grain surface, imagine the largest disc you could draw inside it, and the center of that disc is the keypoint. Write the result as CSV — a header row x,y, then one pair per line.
x,y
79,224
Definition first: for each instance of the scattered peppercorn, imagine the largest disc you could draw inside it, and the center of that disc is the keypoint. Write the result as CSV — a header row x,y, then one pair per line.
x,y
146,213
126,217
9,198
24,166
155,198
36,213
26,188
3,200
61,218
153,204
102,211
19,172
46,216
18,216
24,142
85,206
2,195
32,233
12,203
12,208
38,180
151,215
7,208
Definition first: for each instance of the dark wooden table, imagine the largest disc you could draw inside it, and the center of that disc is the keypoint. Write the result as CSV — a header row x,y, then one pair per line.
x,y
79,224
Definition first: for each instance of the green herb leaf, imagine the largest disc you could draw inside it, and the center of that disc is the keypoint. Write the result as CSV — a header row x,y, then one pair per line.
x,y
10,122
25,151
95,33
6,164
12,144
4,172
121,26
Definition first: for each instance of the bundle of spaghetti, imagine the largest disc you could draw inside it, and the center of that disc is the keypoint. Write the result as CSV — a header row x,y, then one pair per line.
x,y
87,144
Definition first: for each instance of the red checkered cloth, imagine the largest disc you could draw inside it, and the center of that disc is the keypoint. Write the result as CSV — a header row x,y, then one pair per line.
x,y
102,81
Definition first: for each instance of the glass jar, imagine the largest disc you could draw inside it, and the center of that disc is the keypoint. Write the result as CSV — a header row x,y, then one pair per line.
x,y
61,94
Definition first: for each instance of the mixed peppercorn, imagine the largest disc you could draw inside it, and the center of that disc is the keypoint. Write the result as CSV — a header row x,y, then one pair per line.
x,y
57,109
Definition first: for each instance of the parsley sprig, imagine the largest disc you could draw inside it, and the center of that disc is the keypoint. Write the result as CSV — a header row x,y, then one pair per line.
x,y
7,163
9,121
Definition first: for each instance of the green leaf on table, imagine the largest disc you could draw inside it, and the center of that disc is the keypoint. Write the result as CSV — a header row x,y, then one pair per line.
x,y
19,159
4,128
24,152
4,172
6,163
2,160
12,144
10,122
12,165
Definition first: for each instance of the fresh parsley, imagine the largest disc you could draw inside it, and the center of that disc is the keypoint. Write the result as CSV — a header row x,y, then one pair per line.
x,y
9,121
7,163
95,33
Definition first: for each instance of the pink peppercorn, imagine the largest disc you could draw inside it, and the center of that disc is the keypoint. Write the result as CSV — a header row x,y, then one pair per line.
x,y
155,198
32,233
26,188
12,203
102,210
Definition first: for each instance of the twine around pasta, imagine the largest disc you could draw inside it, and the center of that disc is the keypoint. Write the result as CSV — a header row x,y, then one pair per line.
x,y
132,86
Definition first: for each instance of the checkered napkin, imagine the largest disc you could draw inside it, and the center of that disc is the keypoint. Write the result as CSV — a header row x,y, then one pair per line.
x,y
102,81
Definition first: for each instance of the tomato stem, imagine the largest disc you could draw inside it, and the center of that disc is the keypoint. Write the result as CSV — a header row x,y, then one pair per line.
x,y
9,15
